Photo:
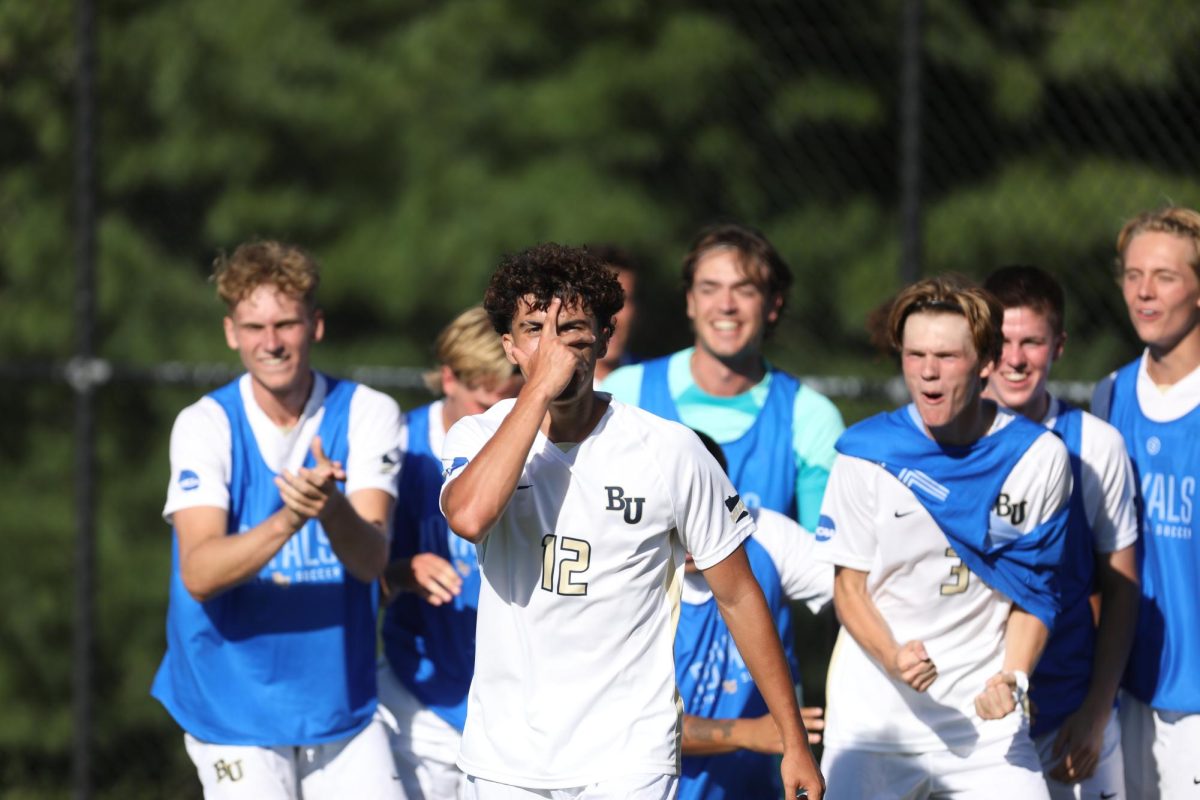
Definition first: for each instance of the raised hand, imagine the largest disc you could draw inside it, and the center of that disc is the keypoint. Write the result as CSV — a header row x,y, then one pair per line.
x,y
312,491
557,357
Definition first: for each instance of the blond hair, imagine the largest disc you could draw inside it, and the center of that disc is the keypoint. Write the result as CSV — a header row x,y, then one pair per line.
x,y
285,266
951,294
471,348
1175,220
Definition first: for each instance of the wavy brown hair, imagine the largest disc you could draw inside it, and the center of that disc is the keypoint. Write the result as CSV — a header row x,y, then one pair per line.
x,y
551,270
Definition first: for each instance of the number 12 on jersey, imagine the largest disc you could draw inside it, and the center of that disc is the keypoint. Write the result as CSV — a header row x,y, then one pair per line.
x,y
573,556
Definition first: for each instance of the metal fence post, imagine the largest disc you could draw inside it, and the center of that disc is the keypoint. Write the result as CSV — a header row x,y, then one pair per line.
x,y
910,142
83,384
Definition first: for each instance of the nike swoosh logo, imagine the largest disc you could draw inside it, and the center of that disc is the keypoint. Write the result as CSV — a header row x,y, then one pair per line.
x,y
526,486
1106,796
905,514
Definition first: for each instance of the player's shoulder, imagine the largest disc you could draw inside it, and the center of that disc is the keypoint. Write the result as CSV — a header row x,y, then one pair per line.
x,y
669,435
204,415
1099,435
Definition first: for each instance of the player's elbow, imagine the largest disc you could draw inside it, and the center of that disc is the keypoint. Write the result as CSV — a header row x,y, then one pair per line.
x,y
472,528
198,586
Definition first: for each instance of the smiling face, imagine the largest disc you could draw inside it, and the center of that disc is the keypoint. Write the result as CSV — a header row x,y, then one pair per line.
x,y
526,334
1031,345
727,307
272,333
943,374
1161,289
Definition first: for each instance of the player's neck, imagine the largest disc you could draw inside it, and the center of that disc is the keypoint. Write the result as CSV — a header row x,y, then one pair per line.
x,y
968,427
284,407
574,420
726,377
1167,366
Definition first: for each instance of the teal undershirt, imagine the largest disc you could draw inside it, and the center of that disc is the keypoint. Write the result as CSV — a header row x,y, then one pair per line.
x,y
817,422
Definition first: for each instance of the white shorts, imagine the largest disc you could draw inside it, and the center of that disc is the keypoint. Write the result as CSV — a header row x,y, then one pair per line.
x,y
626,787
424,745
1162,751
998,771
1108,781
358,766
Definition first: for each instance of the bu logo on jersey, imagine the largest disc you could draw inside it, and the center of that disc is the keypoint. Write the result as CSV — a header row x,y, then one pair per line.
x,y
632,506
1014,511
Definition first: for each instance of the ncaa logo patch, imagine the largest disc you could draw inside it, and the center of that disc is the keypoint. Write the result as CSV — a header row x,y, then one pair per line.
x,y
188,480
825,528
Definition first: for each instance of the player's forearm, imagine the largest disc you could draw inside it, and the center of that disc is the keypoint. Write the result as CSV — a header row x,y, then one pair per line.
x,y
1119,595
861,618
474,501
754,633
1024,640
359,542
219,563
710,737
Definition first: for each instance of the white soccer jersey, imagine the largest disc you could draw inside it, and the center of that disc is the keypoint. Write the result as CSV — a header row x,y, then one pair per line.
x,y
1106,478
200,445
581,579
925,592
804,577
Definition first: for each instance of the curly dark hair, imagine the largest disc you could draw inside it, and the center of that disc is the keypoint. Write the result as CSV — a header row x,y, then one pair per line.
x,y
551,270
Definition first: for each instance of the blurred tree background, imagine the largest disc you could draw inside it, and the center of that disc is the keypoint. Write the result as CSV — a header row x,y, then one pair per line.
x,y
408,144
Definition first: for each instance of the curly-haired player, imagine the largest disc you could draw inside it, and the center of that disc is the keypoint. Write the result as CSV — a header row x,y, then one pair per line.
x,y
582,509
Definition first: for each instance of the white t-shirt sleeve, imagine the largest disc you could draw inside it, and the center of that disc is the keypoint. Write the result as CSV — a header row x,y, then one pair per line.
x,y
375,433
846,535
463,442
1038,486
802,575
1108,486
710,516
200,459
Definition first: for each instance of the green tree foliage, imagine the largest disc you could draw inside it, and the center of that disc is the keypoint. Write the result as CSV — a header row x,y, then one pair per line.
x,y
409,144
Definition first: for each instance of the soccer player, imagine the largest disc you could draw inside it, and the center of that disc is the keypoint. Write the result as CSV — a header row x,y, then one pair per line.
x,y
626,267
945,521
777,433
1153,402
1075,684
433,578
582,509
728,737
282,483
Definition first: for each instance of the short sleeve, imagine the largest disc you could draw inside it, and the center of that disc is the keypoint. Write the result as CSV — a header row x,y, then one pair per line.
x,y
1109,489
845,533
200,458
1037,488
710,515
463,442
803,576
625,384
376,435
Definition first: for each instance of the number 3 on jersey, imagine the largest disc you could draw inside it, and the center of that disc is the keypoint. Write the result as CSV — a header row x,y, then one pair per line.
x,y
572,556
959,573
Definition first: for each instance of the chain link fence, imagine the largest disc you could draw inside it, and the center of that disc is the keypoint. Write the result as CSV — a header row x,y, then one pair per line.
x,y
877,141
